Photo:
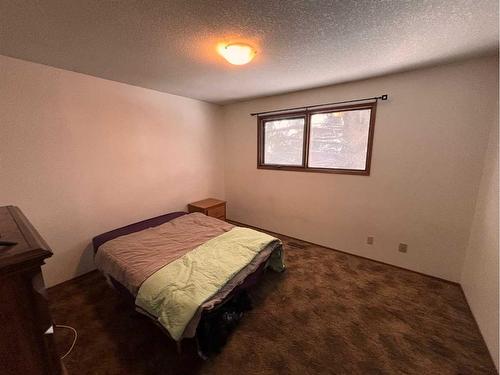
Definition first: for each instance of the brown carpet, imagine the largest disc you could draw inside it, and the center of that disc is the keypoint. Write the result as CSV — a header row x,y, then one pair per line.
x,y
329,313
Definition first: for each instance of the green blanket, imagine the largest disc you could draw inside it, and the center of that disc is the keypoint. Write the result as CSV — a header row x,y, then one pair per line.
x,y
174,293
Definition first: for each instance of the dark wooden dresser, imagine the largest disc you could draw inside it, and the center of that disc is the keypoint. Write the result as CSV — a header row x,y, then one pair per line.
x,y
26,334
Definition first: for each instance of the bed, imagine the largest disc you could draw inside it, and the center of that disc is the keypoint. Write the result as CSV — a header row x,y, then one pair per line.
x,y
178,268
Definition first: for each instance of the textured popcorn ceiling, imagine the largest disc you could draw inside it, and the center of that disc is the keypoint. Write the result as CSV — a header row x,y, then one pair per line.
x,y
170,45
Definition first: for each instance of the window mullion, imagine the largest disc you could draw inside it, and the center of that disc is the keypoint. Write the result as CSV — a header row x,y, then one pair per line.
x,y
307,132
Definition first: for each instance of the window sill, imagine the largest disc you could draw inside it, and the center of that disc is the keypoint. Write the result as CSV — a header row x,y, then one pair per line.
x,y
316,170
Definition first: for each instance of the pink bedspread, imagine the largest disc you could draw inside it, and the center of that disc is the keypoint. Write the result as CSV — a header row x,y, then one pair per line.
x,y
132,258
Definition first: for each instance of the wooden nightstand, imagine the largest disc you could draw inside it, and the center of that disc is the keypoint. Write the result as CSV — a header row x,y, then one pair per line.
x,y
210,207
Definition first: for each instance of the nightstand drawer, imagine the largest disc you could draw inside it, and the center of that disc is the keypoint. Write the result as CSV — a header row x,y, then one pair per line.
x,y
211,207
218,212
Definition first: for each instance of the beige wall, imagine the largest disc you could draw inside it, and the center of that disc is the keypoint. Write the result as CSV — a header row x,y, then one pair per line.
x,y
81,155
427,162
480,271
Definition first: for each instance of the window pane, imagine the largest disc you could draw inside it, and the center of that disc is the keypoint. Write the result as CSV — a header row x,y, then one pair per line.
x,y
284,141
339,139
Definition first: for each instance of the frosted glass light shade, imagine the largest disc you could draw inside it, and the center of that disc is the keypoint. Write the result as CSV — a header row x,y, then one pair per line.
x,y
237,54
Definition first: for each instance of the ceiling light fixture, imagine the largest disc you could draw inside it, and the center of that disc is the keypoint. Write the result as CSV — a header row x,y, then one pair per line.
x,y
236,53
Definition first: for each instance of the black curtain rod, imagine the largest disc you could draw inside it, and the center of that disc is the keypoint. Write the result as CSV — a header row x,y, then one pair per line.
x,y
381,97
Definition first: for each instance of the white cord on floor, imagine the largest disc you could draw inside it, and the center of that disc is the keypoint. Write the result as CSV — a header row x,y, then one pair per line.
x,y
74,340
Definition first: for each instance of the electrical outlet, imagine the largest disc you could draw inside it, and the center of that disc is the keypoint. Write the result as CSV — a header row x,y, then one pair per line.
x,y
369,240
403,248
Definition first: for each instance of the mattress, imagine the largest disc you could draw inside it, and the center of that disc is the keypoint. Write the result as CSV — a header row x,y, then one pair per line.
x,y
129,255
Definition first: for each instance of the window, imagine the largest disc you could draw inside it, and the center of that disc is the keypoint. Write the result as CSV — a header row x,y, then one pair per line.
x,y
284,141
332,140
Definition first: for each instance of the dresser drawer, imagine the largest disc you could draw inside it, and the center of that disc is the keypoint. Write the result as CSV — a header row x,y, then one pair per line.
x,y
218,212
